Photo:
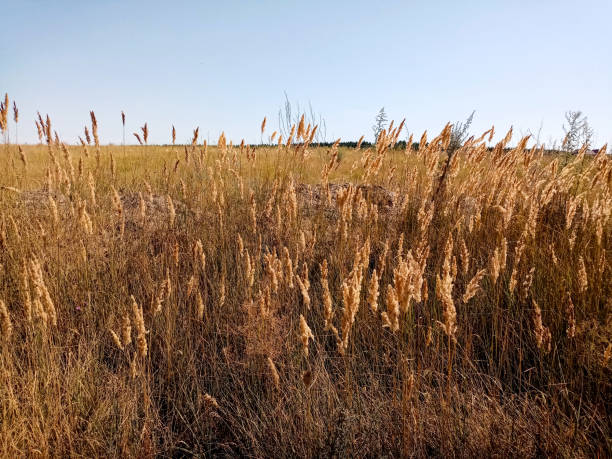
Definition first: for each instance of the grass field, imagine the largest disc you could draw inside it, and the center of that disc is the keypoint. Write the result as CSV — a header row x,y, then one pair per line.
x,y
296,300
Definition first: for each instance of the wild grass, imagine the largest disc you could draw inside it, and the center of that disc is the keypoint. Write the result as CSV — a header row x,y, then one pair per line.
x,y
295,300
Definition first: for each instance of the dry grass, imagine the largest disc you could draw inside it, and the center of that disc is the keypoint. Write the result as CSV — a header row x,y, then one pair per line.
x,y
296,300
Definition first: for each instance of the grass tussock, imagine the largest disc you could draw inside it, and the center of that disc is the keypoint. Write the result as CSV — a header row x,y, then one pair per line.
x,y
293,300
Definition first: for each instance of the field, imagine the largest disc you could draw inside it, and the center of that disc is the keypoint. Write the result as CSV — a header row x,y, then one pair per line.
x,y
300,300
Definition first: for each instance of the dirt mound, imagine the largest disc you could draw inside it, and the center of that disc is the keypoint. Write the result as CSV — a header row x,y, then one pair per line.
x,y
311,199
315,196
36,203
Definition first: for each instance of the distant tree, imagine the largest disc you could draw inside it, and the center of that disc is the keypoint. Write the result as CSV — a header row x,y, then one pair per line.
x,y
577,132
380,123
460,132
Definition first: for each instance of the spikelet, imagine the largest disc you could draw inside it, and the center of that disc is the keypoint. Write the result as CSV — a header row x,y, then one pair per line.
x,y
171,211
359,142
191,283
518,251
264,302
571,318
94,128
273,372
607,355
408,279
526,285
85,220
92,190
48,131
390,317
200,306
494,266
373,291
572,239
126,330
444,289
41,291
253,211
145,133
271,270
464,255
503,255
5,320
24,289
542,333
288,268
164,293
211,402
351,294
16,228
40,313
424,292
473,286
199,257
583,282
300,129
400,246
138,319
113,166
304,285
305,334
328,311
118,208
83,251
292,201
263,125
553,255
116,340
302,242
149,191
401,284
382,260
142,209
249,269
40,131
175,255
22,157
240,245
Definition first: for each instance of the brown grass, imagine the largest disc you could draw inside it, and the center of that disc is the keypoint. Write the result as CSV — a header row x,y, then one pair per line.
x,y
297,300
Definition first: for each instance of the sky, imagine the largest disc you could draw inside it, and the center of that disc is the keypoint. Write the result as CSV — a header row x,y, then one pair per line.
x,y
224,65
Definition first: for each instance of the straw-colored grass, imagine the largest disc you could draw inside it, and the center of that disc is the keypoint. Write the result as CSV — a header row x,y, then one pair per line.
x,y
296,300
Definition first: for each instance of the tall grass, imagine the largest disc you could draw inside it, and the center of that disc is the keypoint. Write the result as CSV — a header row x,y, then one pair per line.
x,y
295,300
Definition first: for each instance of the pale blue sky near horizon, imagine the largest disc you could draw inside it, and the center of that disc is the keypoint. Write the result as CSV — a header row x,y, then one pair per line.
x,y
225,65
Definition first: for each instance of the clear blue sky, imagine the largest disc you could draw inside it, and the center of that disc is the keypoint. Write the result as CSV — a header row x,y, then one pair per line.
x,y
223,65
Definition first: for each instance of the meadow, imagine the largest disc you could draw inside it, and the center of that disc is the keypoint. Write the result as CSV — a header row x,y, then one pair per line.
x,y
290,299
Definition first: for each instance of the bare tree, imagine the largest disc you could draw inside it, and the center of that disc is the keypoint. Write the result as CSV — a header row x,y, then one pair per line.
x,y
379,124
458,136
577,132
459,132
